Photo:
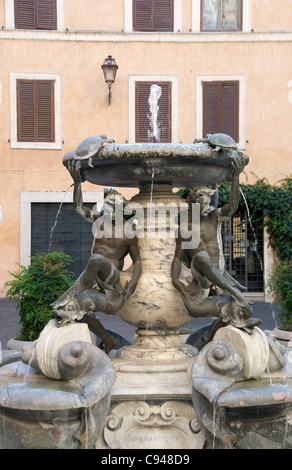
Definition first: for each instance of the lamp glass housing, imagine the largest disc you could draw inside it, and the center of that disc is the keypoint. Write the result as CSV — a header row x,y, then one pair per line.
x,y
109,68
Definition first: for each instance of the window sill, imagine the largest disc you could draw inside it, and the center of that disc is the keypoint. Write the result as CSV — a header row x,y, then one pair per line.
x,y
114,36
37,145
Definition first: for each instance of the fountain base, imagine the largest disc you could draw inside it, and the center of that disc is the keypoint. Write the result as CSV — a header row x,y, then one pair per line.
x,y
151,406
243,402
68,412
156,345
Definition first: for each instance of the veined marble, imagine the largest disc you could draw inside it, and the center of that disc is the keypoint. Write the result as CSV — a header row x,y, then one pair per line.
x,y
156,304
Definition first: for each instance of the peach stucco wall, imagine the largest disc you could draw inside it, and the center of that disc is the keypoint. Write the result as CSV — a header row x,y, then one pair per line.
x,y
269,15
98,16
85,110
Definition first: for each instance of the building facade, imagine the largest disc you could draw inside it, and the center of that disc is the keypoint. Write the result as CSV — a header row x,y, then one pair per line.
x,y
223,65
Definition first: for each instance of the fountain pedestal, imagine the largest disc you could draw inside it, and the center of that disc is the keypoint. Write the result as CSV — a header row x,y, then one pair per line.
x,y
152,393
156,304
152,407
155,345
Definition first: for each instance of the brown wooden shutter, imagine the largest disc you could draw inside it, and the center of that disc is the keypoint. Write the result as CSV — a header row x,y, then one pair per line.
x,y
24,14
221,108
46,14
229,109
142,112
163,15
142,15
35,14
35,111
153,15
45,111
25,111
210,108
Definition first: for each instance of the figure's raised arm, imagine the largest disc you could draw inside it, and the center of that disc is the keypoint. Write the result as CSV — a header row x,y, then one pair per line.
x,y
74,170
238,164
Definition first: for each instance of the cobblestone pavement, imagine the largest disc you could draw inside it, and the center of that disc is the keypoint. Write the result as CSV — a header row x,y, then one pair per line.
x,y
9,321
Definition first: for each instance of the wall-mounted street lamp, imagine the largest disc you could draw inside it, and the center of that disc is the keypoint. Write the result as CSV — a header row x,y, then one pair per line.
x,y
109,68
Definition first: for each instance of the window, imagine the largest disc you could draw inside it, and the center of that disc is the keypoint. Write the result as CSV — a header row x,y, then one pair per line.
x,y
142,125
153,15
35,14
221,15
221,108
35,111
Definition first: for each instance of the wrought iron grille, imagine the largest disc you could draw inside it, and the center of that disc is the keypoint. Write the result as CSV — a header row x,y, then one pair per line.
x,y
243,250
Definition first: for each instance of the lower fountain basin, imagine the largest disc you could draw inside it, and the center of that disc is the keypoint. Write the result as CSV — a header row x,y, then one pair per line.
x,y
37,412
234,413
264,423
128,165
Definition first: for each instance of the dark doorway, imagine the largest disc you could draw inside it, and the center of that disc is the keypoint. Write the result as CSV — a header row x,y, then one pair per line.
x,y
71,235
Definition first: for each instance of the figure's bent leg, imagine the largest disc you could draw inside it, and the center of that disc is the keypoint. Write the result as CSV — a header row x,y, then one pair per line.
x,y
98,269
101,269
203,264
234,282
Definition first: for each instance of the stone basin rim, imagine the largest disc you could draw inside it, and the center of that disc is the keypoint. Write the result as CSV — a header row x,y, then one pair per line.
x,y
129,165
194,152
229,396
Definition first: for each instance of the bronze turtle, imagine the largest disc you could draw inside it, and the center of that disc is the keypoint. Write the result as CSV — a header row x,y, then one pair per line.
x,y
90,146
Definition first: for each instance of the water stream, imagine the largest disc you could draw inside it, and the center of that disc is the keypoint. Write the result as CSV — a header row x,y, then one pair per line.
x,y
155,94
57,216
214,424
257,254
252,229
274,315
151,197
33,352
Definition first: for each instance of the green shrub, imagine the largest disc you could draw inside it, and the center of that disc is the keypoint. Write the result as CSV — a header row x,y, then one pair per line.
x,y
35,288
280,286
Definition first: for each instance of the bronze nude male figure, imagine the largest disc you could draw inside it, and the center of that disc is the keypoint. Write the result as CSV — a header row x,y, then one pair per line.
x,y
114,249
87,295
207,262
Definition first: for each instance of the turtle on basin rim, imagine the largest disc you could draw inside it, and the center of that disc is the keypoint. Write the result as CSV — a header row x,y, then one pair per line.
x,y
90,146
220,141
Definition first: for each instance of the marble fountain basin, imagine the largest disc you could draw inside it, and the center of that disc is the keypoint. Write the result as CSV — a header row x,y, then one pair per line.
x,y
235,412
129,165
38,412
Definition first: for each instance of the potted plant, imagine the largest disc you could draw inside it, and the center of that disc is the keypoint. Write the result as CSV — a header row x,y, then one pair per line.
x,y
280,286
35,287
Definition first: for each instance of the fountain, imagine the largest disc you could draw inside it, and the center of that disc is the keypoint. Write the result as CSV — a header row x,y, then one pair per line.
x,y
58,395
242,391
228,386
